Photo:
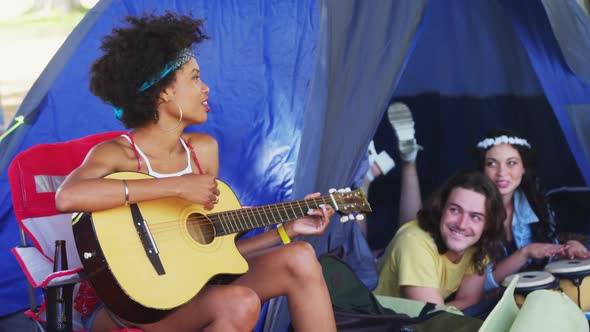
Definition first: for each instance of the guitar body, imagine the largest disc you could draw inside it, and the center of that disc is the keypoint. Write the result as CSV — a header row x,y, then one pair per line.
x,y
116,261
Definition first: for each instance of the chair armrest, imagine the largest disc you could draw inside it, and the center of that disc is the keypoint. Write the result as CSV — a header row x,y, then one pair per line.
x,y
39,269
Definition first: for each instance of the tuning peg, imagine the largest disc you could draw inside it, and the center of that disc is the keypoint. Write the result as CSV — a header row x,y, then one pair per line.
x,y
351,216
341,190
347,190
344,219
360,217
332,190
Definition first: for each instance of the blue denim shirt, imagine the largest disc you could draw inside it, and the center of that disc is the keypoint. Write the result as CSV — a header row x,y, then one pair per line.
x,y
522,219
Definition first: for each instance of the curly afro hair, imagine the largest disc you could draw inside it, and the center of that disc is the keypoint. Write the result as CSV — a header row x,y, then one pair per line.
x,y
135,54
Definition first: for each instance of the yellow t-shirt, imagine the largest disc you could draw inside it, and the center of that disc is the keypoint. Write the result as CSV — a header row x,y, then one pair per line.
x,y
412,259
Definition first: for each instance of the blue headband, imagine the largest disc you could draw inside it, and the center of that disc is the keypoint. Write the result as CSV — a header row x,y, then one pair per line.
x,y
183,57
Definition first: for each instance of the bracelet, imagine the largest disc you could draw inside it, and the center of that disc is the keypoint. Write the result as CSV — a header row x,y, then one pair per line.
x,y
126,188
283,234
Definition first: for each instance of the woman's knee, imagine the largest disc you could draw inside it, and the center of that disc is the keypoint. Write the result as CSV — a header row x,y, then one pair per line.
x,y
302,261
243,304
217,308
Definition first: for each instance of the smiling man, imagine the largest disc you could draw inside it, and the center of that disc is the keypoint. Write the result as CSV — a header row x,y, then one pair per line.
x,y
441,257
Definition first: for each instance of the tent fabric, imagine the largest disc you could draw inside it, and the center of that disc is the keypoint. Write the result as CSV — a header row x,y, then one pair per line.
x,y
561,86
492,58
347,101
571,27
468,48
362,51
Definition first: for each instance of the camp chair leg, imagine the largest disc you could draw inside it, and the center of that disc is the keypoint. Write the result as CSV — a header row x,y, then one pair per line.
x,y
36,325
32,299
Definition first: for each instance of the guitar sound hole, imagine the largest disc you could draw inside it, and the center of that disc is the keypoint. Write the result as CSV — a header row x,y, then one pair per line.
x,y
201,228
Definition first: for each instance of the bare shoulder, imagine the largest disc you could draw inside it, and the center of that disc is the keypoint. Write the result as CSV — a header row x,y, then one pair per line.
x,y
204,144
116,154
207,151
200,140
118,146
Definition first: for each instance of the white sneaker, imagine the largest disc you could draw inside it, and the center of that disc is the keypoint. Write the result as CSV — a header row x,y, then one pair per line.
x,y
402,122
379,163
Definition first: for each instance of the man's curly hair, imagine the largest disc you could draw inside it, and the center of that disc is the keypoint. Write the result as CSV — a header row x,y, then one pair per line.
x,y
135,54
488,246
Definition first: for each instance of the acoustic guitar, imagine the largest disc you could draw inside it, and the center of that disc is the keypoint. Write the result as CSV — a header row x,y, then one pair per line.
x,y
146,259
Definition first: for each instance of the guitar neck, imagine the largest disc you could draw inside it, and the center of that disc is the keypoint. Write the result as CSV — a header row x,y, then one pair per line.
x,y
236,221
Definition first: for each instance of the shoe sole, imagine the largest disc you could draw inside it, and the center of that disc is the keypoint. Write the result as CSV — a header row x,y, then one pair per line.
x,y
401,120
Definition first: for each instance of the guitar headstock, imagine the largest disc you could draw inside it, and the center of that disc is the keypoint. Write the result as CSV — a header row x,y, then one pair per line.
x,y
349,201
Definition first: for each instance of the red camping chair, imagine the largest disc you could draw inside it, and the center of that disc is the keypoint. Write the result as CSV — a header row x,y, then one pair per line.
x,y
35,175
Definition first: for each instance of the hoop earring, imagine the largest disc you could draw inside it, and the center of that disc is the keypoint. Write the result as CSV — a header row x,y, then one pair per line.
x,y
179,120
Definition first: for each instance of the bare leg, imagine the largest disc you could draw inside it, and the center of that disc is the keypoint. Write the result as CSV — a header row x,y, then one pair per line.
x,y
402,122
410,196
293,270
215,308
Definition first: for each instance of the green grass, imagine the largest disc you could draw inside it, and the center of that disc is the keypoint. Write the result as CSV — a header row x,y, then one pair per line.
x,y
40,20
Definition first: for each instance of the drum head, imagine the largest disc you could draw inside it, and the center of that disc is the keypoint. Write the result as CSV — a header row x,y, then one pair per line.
x,y
530,279
569,266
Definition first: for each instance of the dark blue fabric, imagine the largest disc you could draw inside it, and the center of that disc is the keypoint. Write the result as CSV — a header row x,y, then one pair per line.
x,y
561,86
467,48
258,65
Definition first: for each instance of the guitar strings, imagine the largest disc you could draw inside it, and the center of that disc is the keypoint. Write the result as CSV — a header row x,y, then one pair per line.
x,y
235,220
211,232
242,217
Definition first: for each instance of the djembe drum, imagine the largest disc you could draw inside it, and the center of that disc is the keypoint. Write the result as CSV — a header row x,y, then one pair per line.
x,y
574,275
531,281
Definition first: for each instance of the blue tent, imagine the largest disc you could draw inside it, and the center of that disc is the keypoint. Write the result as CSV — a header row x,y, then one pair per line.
x,y
298,88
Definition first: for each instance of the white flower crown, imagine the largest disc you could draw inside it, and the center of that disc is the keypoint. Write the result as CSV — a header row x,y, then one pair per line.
x,y
486,143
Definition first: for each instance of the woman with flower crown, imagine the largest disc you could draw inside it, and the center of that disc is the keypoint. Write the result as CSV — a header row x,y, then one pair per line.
x,y
149,74
530,231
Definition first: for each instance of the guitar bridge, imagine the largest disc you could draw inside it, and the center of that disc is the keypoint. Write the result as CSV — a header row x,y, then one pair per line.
x,y
147,240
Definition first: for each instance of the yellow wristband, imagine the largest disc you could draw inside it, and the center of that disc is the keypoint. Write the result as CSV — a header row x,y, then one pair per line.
x,y
283,234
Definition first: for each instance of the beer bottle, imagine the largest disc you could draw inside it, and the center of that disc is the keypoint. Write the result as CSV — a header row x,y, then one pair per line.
x,y
58,299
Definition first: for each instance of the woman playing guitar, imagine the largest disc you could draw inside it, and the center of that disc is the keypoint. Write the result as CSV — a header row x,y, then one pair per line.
x,y
150,75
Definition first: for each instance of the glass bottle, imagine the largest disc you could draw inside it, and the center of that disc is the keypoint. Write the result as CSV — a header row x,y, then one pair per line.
x,y
58,299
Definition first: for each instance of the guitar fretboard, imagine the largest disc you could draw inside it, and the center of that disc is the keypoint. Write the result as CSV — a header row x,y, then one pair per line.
x,y
235,221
